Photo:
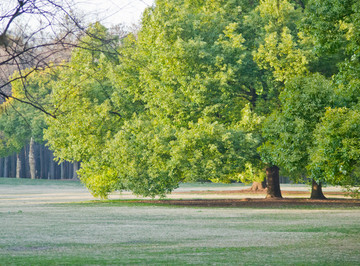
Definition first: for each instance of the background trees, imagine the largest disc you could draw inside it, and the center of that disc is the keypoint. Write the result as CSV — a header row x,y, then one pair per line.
x,y
290,129
186,97
335,150
32,34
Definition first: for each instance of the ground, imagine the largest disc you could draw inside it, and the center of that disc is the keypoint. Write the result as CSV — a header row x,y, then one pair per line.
x,y
260,203
60,223
251,199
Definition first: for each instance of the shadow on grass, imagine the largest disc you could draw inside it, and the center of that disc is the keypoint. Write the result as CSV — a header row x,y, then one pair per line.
x,y
293,203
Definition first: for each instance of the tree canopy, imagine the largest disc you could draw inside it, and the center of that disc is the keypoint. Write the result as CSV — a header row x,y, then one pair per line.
x,y
205,90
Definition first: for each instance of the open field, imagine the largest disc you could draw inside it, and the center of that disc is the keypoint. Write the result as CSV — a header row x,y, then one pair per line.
x,y
56,223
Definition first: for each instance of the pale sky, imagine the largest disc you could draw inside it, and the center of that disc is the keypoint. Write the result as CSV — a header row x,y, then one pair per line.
x,y
108,12
113,11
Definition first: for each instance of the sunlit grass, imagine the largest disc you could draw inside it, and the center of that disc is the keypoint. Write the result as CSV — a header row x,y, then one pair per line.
x,y
117,232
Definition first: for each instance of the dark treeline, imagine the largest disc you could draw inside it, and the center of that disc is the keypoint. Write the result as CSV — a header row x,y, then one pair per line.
x,y
36,161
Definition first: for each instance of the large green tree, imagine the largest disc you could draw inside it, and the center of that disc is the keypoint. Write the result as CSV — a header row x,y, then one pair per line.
x,y
335,151
290,129
184,98
299,134
175,107
197,73
282,50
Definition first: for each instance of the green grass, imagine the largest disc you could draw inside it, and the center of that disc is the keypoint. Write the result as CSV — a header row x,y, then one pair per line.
x,y
74,234
120,232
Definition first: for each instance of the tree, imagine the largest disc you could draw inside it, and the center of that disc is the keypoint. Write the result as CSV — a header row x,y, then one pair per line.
x,y
173,108
85,103
283,52
34,36
20,123
196,66
334,153
290,129
299,132
52,30
186,97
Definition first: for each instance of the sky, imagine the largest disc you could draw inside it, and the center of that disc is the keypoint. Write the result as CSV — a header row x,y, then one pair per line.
x,y
110,12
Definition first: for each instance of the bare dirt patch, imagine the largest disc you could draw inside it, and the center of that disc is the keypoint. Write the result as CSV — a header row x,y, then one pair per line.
x,y
249,191
260,203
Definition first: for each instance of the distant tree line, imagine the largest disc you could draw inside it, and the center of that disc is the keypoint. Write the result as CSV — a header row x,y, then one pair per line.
x,y
36,161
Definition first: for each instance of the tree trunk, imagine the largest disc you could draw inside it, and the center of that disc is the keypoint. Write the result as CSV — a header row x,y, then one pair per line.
x,y
20,164
37,160
27,163
51,174
57,170
70,170
273,182
42,162
6,167
13,165
32,160
316,191
62,170
76,167
256,186
1,167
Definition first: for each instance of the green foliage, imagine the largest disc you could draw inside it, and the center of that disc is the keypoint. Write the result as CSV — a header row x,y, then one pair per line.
x,y
185,99
172,107
329,22
282,49
195,83
334,28
289,131
86,115
140,152
336,149
299,134
18,121
14,130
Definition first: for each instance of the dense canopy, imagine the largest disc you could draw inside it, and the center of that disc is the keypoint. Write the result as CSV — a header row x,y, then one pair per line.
x,y
215,91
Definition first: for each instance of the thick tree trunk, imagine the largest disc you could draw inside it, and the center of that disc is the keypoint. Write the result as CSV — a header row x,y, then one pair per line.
x,y
316,191
263,183
258,186
273,182
32,159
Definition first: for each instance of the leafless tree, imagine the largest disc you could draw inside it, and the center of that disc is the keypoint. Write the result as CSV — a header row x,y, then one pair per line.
x,y
34,33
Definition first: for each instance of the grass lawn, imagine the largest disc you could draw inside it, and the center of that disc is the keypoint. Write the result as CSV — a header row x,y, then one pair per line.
x,y
119,232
